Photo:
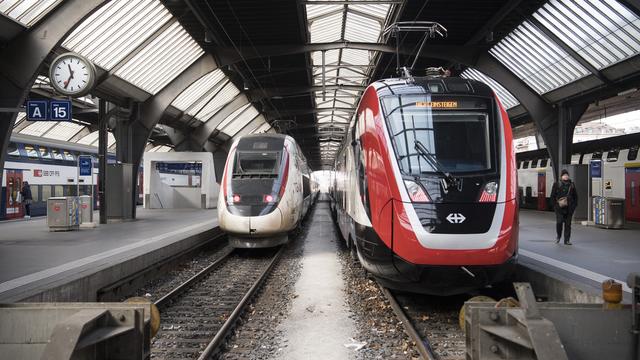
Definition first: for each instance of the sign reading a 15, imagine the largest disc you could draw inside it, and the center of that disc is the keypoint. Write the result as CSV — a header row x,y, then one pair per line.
x,y
60,110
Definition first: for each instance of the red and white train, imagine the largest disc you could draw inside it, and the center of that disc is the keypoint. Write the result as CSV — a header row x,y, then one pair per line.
x,y
425,186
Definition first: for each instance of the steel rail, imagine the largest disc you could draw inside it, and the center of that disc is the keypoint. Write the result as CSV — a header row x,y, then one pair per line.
x,y
220,336
423,344
178,290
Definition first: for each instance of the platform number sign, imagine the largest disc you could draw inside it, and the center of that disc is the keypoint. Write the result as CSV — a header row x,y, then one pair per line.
x,y
37,110
60,110
596,168
45,110
85,165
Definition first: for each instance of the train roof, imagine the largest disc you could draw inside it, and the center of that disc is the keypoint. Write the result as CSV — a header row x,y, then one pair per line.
x,y
38,140
586,147
432,85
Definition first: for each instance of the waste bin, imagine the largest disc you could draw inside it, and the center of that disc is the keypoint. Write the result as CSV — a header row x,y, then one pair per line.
x,y
63,213
608,212
86,209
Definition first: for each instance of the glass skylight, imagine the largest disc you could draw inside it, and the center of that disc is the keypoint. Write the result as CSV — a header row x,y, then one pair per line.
x,y
262,128
117,29
198,89
603,32
37,128
215,101
160,61
161,148
27,12
63,131
241,122
350,22
537,60
506,98
92,139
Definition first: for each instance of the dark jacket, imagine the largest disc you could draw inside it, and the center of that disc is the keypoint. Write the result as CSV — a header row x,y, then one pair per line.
x,y
562,189
26,193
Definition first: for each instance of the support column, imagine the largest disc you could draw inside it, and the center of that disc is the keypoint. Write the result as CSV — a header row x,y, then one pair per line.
x,y
102,159
128,134
568,117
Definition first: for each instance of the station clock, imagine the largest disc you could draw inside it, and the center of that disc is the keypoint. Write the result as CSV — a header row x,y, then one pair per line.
x,y
72,74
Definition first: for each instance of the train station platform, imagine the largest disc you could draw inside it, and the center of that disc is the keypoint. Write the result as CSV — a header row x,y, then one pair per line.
x,y
596,254
39,265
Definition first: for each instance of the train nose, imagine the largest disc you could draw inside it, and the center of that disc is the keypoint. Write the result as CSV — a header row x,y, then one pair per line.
x,y
268,224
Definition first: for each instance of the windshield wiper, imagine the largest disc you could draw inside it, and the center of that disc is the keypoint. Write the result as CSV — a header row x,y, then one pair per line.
x,y
450,180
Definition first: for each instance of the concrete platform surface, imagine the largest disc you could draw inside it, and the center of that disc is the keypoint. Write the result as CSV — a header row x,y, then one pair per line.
x,y
596,254
29,252
319,324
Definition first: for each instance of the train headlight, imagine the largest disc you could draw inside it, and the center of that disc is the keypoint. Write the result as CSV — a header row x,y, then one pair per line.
x,y
416,192
267,198
490,192
236,198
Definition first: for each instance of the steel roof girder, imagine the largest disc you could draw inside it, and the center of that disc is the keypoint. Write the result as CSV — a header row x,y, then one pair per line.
x,y
458,53
633,5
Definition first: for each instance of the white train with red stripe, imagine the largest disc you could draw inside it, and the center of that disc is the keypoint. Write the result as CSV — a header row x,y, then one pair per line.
x,y
266,190
425,186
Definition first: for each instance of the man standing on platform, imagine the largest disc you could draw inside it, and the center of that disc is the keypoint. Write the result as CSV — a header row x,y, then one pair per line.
x,y
565,200
26,199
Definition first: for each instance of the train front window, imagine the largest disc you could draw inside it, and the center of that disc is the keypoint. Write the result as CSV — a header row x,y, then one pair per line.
x,y
256,163
456,133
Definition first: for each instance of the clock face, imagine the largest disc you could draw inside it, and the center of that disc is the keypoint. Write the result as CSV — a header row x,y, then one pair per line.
x,y
72,74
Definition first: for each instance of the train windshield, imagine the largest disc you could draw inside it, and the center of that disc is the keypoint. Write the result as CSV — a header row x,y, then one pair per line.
x,y
456,134
256,163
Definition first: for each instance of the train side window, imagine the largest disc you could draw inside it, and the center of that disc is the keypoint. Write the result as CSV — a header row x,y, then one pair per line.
x,y
35,193
46,192
44,152
31,151
596,156
12,149
526,165
58,190
633,154
613,155
57,154
68,156
544,162
534,163
306,187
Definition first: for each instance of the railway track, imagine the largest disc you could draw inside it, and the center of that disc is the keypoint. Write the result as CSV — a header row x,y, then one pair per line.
x,y
430,322
197,315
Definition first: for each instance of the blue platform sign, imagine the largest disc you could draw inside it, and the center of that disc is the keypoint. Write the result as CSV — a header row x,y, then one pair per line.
x,y
37,110
60,110
596,168
85,162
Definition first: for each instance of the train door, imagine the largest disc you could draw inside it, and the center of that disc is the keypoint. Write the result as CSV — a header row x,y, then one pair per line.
x,y
542,190
632,193
14,185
